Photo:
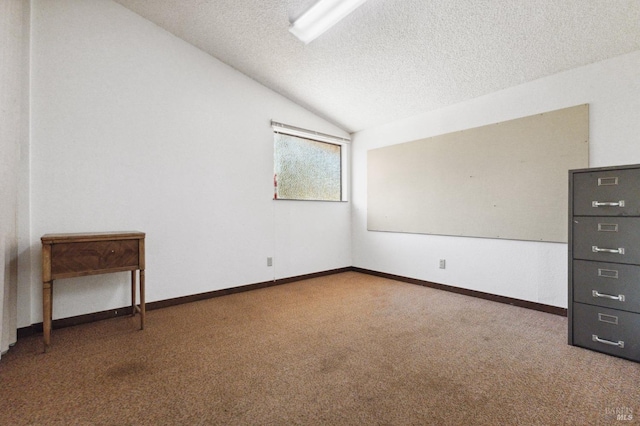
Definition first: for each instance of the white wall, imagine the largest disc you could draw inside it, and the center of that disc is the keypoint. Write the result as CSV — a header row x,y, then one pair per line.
x,y
134,129
530,271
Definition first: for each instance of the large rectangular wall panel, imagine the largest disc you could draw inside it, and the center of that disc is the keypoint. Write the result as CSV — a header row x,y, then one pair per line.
x,y
505,180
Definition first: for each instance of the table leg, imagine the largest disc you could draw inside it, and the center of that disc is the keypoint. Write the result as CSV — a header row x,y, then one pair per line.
x,y
47,304
133,293
142,308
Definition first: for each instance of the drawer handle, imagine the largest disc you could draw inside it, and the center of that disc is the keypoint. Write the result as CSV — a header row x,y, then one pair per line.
x,y
619,297
607,203
619,343
597,249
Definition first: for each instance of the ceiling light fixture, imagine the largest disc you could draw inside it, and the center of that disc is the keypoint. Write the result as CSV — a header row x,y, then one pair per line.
x,y
322,16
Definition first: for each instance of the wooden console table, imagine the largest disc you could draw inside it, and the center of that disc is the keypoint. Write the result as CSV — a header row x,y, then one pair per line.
x,y
77,255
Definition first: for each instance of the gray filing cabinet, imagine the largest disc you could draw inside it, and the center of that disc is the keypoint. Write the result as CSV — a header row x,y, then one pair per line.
x,y
604,260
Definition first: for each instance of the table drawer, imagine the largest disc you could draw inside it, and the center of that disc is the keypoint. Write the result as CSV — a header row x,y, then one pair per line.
x,y
71,259
607,239
607,330
607,193
617,286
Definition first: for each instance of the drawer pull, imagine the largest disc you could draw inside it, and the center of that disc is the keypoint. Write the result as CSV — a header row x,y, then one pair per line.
x,y
619,297
619,343
597,249
607,203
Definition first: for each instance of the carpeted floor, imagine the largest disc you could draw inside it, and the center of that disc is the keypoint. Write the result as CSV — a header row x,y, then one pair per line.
x,y
346,349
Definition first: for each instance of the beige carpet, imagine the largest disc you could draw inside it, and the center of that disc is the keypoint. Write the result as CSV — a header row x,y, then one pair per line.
x,y
343,349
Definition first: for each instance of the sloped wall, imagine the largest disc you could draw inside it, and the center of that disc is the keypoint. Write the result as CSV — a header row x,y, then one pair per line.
x,y
134,129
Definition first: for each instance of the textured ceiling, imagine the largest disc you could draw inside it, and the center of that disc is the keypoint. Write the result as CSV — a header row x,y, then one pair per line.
x,y
392,59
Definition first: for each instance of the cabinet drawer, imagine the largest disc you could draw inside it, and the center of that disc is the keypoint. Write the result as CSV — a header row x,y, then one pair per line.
x,y
616,286
601,193
607,330
72,259
607,239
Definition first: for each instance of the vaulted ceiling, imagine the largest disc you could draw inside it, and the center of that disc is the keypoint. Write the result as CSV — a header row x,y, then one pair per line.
x,y
392,59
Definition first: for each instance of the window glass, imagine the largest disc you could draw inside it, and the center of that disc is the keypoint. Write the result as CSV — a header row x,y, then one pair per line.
x,y
305,169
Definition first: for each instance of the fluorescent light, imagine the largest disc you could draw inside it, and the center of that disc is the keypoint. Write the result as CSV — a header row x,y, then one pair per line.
x,y
322,16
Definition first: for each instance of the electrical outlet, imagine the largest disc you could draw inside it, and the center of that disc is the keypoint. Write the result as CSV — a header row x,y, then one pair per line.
x,y
269,261
443,263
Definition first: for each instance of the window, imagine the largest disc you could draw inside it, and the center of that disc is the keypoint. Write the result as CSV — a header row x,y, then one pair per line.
x,y
307,168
